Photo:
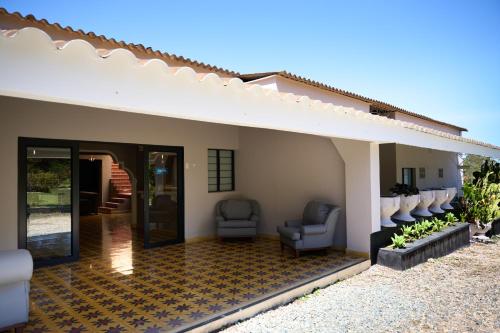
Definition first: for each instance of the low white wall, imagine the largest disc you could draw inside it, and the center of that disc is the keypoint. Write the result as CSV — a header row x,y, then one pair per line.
x,y
26,118
431,160
283,171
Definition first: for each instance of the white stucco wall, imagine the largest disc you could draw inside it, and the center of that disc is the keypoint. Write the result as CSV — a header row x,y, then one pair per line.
x,y
28,118
362,194
431,160
282,84
283,171
426,123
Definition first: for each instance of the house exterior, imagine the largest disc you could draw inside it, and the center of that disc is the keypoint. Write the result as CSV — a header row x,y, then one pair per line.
x,y
292,139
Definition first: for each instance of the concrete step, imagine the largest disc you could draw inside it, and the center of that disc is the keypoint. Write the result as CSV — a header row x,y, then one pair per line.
x,y
111,204
109,210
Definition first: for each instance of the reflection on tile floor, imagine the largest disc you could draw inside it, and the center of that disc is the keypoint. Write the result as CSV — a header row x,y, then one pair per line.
x,y
119,287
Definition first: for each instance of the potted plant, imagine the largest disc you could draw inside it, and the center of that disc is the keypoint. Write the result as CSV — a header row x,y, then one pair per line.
x,y
480,205
409,199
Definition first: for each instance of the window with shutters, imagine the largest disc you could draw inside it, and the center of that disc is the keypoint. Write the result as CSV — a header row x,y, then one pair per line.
x,y
220,170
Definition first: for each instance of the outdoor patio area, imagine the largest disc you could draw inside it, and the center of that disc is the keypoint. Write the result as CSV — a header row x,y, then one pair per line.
x,y
118,286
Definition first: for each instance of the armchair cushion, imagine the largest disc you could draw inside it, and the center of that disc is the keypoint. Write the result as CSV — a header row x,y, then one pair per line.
x,y
15,266
313,229
236,224
236,209
291,233
315,213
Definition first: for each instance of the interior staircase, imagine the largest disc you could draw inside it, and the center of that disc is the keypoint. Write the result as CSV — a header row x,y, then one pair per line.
x,y
120,192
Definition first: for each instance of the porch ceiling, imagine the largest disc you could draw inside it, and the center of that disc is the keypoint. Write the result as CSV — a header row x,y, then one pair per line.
x,y
34,66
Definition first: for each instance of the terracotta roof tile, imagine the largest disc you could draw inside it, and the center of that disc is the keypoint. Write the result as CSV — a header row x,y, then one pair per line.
x,y
113,43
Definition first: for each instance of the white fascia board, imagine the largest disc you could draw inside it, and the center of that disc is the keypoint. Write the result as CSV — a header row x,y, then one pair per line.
x,y
32,67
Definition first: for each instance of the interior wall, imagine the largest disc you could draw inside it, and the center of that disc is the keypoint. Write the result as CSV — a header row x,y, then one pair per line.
x,y
27,118
107,161
283,171
431,160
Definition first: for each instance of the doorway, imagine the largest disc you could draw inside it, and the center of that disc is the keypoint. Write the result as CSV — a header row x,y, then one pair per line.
x,y
61,196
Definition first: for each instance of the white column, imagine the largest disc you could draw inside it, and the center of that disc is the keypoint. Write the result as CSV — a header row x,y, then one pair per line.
x,y
362,183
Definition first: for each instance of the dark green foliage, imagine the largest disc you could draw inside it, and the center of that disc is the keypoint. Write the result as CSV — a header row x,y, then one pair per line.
x,y
404,189
489,168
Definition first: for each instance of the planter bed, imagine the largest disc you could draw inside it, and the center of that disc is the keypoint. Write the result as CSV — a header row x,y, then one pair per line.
x,y
433,246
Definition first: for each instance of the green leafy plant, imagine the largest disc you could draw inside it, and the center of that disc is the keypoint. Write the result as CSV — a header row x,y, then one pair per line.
x,y
481,201
438,225
398,242
407,232
410,233
404,189
450,218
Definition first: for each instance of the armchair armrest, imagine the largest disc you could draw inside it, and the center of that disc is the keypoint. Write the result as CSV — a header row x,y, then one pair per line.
x,y
254,218
294,223
313,229
219,218
15,266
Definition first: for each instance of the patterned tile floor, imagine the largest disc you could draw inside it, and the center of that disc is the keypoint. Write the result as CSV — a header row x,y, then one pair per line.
x,y
117,286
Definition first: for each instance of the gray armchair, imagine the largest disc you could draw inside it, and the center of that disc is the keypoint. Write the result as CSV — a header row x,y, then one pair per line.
x,y
237,218
314,231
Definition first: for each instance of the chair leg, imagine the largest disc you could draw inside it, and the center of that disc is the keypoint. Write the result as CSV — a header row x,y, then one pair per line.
x,y
282,246
296,253
19,329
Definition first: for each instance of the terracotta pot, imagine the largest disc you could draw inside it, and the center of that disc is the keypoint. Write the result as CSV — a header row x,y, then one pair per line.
x,y
475,229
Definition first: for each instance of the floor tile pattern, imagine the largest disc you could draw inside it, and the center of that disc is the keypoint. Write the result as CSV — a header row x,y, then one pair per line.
x,y
120,287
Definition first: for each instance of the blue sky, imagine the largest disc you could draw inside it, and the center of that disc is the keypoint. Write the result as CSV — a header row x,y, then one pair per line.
x,y
438,58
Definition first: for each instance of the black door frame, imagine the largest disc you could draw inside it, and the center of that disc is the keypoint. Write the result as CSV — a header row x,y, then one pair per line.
x,y
180,194
23,144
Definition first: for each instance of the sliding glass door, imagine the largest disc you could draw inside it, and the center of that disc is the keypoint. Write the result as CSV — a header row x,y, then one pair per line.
x,y
163,195
48,199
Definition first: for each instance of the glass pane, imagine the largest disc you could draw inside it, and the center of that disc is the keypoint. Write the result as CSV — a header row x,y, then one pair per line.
x,y
212,188
162,196
226,187
226,153
48,200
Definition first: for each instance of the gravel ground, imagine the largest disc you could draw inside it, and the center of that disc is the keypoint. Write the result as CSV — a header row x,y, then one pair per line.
x,y
456,293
